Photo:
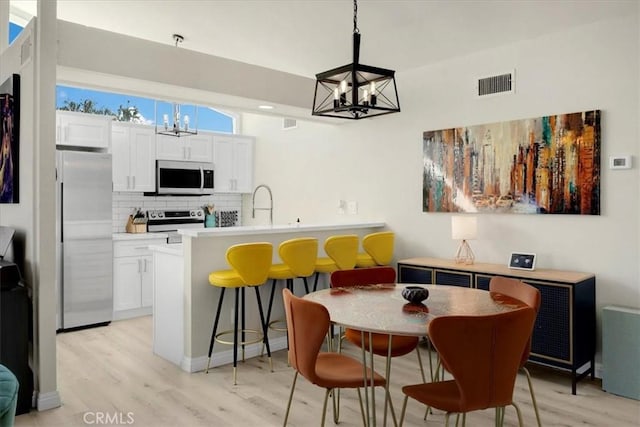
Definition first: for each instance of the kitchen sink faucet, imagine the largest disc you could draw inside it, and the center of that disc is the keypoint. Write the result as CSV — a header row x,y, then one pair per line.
x,y
270,208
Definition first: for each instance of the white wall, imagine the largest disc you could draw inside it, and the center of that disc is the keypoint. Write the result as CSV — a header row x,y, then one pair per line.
x,y
378,162
35,226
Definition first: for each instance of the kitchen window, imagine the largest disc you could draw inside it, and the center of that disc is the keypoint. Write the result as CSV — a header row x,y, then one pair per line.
x,y
134,108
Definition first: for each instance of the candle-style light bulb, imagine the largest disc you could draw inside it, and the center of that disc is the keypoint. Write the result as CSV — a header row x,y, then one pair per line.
x,y
343,92
365,95
186,122
336,98
165,121
176,118
374,97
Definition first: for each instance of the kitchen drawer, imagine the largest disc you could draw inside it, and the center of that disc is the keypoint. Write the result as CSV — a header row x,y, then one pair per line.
x,y
135,247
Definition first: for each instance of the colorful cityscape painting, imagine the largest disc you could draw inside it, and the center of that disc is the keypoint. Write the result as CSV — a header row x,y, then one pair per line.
x,y
546,165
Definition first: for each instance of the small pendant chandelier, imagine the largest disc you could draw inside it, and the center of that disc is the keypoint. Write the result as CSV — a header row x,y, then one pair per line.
x,y
174,121
355,91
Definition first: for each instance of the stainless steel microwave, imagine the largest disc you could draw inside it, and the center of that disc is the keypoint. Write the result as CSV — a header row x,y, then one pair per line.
x,y
184,178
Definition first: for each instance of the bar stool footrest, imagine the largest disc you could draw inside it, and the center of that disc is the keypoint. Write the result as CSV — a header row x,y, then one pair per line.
x,y
273,327
259,337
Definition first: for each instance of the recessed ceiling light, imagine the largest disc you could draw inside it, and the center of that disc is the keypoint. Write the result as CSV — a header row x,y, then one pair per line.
x,y
265,107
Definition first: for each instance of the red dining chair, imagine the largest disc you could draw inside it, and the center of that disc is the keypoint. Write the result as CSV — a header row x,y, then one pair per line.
x,y
483,354
307,324
400,345
529,295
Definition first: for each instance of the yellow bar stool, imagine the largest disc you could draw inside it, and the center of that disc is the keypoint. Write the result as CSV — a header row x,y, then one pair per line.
x,y
378,249
342,251
298,261
250,264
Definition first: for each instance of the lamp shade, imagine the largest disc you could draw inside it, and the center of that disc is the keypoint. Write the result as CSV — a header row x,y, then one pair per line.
x,y
464,227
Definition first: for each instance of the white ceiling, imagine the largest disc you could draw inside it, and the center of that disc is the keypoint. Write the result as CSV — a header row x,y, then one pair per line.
x,y
305,37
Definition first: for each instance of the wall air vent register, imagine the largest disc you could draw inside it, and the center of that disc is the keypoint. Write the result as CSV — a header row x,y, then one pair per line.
x,y
498,84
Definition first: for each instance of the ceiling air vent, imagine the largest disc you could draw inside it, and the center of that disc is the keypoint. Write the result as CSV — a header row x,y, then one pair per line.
x,y
493,85
289,124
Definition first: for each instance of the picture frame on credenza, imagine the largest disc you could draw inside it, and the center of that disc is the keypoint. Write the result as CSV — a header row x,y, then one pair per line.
x,y
522,261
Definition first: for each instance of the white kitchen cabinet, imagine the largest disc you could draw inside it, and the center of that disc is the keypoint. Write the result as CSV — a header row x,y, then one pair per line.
x,y
233,159
133,162
133,277
127,294
193,148
83,130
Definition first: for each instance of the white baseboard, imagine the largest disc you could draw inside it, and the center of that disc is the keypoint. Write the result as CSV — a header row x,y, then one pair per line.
x,y
48,400
197,364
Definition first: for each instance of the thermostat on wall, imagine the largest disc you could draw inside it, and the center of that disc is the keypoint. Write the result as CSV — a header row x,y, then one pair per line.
x,y
619,162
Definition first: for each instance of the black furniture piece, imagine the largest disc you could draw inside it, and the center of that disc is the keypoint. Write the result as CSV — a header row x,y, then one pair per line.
x,y
564,335
15,328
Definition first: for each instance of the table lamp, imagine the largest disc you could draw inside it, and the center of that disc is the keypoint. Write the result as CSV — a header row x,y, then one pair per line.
x,y
464,228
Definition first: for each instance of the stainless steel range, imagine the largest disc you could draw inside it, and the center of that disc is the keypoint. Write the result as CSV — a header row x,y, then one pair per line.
x,y
168,221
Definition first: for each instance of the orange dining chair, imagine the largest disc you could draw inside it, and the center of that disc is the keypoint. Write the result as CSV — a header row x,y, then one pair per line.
x,y
307,324
529,295
400,345
483,354
342,251
378,249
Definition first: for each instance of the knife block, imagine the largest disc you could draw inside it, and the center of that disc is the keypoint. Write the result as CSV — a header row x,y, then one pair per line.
x,y
131,227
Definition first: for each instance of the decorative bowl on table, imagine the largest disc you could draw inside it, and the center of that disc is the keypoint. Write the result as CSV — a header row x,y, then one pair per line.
x,y
415,294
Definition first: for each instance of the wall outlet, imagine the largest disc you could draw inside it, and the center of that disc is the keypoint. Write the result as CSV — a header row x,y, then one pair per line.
x,y
352,208
342,207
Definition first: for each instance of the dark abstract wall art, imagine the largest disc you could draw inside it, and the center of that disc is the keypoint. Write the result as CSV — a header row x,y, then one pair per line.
x,y
10,142
547,164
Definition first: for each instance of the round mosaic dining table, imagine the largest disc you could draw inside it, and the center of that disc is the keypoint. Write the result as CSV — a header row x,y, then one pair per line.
x,y
382,309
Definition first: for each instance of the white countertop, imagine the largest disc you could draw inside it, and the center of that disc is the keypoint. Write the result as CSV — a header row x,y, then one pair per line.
x,y
139,236
274,229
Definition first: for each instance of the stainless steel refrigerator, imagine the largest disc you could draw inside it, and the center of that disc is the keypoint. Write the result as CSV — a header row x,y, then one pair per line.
x,y
85,250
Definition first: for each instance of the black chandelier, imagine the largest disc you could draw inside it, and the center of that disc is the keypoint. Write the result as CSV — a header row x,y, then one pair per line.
x,y
355,91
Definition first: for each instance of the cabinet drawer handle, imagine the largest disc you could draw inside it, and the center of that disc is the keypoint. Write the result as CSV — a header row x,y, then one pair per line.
x,y
134,181
140,247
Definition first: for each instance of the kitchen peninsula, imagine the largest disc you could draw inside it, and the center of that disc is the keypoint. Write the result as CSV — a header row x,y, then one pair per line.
x,y
185,303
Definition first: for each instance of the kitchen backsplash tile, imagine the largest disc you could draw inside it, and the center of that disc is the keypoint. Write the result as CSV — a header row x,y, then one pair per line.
x,y
125,203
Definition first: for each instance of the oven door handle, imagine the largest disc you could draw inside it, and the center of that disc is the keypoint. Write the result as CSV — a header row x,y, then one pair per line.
x,y
201,179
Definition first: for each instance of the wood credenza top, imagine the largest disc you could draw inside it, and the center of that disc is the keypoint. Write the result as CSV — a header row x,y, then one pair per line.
x,y
503,270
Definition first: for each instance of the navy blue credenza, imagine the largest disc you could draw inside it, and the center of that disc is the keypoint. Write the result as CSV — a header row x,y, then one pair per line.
x,y
564,335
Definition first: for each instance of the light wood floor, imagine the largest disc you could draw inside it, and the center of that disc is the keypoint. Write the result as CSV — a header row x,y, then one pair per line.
x,y
113,370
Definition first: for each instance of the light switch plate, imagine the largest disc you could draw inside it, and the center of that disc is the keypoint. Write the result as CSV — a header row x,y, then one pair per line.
x,y
352,208
342,207
619,162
